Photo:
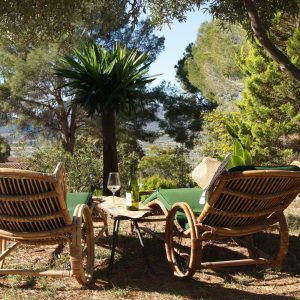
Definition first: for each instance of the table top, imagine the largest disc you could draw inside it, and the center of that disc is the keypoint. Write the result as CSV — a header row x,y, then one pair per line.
x,y
117,208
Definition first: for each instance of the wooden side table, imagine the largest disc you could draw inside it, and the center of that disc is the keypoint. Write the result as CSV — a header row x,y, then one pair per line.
x,y
116,209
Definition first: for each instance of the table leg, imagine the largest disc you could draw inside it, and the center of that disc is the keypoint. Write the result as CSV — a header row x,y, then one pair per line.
x,y
114,244
136,225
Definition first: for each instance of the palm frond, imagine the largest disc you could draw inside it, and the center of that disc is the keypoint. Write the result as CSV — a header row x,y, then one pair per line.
x,y
103,79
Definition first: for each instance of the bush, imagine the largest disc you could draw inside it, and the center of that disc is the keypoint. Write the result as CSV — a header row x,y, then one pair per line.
x,y
155,182
167,163
4,150
83,168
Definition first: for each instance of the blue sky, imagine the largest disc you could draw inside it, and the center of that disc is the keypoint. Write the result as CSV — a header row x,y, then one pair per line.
x,y
177,37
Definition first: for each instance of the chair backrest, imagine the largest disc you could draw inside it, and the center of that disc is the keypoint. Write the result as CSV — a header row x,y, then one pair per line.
x,y
245,198
33,201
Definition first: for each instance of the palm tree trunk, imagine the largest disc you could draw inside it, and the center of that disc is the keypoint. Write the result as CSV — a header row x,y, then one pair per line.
x,y
110,160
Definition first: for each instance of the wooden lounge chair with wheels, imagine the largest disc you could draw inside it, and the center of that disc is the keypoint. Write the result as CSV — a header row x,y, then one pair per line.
x,y
240,203
35,209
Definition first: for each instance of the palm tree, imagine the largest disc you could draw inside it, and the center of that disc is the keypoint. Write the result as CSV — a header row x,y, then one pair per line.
x,y
106,83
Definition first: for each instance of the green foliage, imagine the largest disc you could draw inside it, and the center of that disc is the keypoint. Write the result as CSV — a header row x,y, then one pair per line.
x,y
83,169
268,116
182,71
106,83
241,155
167,163
256,17
35,21
210,65
270,107
104,79
32,91
234,11
4,150
215,140
228,11
293,47
183,117
156,182
140,37
31,70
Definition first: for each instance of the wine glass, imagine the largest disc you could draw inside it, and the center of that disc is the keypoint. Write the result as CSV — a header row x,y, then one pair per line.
x,y
113,183
140,180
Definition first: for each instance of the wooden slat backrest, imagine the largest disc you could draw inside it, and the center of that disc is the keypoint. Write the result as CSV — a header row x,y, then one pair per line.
x,y
32,201
245,198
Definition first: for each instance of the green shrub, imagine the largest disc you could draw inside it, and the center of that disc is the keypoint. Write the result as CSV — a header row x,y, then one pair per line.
x,y
155,182
83,168
241,155
4,150
168,163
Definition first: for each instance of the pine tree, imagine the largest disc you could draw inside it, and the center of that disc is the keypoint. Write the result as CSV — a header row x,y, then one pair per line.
x,y
270,104
209,66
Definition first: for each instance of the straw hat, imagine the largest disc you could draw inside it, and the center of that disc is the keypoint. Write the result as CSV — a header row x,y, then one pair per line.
x,y
296,163
205,171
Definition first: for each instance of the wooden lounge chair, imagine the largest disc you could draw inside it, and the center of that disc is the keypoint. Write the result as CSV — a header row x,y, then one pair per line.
x,y
240,204
34,209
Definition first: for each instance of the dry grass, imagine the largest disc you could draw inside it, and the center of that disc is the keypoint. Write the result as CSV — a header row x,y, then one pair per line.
x,y
131,280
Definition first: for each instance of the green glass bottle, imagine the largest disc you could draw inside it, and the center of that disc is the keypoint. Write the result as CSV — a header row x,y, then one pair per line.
x,y
132,191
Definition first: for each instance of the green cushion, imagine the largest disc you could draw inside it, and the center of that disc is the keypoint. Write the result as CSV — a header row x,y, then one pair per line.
x,y
279,168
170,196
73,199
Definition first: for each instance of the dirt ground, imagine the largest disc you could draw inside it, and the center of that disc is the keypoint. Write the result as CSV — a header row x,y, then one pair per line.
x,y
131,279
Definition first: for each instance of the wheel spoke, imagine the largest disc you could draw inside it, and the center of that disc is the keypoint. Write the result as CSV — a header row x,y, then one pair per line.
x,y
180,247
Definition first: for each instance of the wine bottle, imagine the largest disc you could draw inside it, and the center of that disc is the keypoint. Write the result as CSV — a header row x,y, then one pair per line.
x,y
132,191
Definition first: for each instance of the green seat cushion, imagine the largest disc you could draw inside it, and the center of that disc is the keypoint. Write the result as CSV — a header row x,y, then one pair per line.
x,y
170,196
73,199
278,168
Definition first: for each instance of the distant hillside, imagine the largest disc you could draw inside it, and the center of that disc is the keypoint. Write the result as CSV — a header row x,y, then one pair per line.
x,y
14,138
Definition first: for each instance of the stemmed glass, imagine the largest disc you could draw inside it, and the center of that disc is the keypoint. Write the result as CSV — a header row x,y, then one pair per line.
x,y
140,180
113,183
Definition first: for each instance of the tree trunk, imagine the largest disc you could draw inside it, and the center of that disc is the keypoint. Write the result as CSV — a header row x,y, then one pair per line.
x,y
110,159
259,31
68,142
66,118
68,127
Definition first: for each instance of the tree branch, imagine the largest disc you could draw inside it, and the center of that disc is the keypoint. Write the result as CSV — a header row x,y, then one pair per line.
x,y
273,51
37,103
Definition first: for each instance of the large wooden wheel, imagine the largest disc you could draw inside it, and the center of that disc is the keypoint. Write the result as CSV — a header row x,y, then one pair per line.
x,y
83,246
260,248
183,247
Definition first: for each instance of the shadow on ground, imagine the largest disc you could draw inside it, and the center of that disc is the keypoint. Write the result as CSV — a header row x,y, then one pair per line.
x,y
131,277
130,271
